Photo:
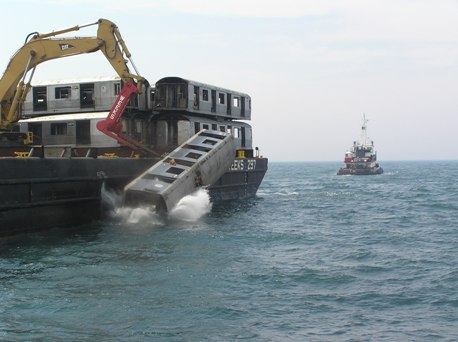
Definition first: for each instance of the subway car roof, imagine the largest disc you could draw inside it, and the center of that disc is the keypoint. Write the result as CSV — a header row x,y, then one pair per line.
x,y
67,117
174,79
76,80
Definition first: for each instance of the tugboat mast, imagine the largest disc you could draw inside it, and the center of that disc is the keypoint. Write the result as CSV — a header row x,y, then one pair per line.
x,y
363,139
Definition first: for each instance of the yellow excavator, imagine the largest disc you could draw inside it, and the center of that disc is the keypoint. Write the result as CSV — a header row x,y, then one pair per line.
x,y
39,48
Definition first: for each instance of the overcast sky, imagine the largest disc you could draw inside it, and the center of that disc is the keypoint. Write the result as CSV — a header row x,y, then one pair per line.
x,y
312,67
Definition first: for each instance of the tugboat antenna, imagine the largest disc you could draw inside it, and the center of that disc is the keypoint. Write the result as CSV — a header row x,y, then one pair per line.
x,y
364,131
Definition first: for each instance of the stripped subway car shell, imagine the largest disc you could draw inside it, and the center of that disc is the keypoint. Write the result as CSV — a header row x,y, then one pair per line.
x,y
68,129
179,94
63,96
92,94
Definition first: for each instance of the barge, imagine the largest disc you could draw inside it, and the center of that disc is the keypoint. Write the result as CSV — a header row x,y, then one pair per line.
x,y
62,142
57,180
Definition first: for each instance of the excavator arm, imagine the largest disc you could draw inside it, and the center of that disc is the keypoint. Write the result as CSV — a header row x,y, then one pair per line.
x,y
112,125
44,47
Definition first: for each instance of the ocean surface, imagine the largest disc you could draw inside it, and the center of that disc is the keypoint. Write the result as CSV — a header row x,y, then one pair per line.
x,y
314,257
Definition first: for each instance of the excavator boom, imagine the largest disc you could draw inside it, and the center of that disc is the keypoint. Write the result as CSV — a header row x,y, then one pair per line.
x,y
44,47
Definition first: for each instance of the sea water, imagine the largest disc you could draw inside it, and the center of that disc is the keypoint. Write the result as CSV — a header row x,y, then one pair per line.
x,y
314,257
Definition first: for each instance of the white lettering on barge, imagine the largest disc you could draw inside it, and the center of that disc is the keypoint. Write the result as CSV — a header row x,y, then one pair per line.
x,y
243,165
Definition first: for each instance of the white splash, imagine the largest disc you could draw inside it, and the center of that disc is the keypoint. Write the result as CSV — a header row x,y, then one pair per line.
x,y
192,207
141,215
111,200
189,209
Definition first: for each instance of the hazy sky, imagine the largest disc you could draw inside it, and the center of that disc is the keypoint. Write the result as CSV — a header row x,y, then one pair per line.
x,y
312,67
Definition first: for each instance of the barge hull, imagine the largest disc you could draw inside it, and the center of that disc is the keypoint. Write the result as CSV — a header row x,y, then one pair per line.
x,y
41,193
37,194
241,181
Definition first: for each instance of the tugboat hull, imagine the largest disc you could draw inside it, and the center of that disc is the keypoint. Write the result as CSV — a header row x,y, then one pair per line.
x,y
360,172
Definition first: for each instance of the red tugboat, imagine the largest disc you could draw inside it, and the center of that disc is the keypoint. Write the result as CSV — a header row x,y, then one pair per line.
x,y
361,158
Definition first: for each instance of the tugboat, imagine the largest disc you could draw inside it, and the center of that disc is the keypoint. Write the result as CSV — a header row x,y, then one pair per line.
x,y
361,158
